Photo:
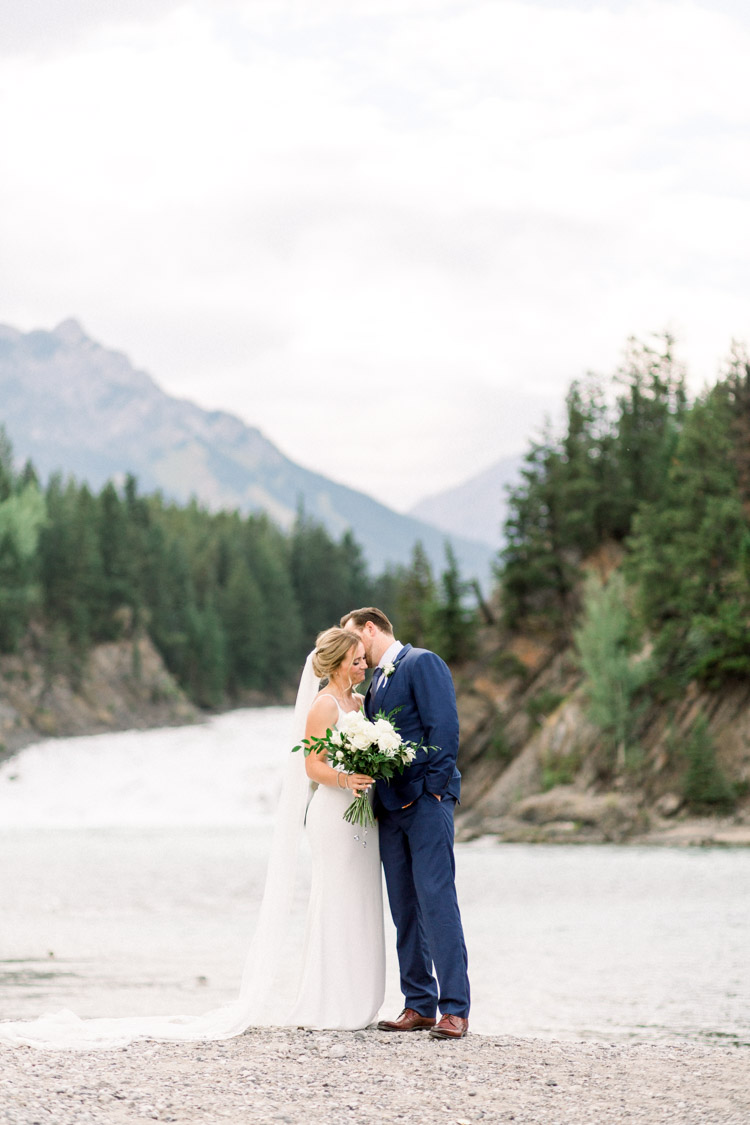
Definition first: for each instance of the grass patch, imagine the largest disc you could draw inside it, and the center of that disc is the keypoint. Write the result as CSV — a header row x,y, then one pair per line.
x,y
705,786
542,705
560,769
508,666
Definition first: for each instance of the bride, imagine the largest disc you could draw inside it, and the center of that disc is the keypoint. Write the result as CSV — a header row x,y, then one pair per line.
x,y
337,979
343,969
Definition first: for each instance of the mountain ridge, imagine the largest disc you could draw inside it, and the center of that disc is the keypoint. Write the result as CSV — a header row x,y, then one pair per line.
x,y
475,509
70,404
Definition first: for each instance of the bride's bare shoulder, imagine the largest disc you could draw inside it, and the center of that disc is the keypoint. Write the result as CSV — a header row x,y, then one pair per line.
x,y
324,705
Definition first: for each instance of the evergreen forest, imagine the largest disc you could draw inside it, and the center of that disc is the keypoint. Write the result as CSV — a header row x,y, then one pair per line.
x,y
628,545
666,481
233,603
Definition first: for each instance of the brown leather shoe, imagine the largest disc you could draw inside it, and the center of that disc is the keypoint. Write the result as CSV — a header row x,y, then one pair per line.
x,y
450,1027
409,1020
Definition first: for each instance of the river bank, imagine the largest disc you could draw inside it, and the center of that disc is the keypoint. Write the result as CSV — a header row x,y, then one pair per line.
x,y
294,1076
123,685
683,832
537,769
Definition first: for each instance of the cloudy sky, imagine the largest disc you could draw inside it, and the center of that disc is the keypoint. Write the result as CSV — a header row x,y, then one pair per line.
x,y
387,232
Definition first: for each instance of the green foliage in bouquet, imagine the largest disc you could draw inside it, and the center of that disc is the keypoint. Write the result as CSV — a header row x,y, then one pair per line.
x,y
360,745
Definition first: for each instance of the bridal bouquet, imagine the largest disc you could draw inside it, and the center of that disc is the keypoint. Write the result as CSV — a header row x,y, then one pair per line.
x,y
360,745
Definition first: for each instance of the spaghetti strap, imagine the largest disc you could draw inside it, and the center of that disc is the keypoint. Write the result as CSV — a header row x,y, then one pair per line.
x,y
335,700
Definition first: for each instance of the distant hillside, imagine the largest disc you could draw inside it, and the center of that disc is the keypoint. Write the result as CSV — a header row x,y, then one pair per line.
x,y
70,404
475,509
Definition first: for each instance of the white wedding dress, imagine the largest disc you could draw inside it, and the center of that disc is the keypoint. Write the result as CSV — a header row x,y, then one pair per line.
x,y
335,980
343,965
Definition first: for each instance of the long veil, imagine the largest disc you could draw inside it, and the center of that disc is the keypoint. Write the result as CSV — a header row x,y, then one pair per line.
x,y
271,969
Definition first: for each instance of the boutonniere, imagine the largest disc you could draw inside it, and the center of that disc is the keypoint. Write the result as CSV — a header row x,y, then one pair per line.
x,y
389,669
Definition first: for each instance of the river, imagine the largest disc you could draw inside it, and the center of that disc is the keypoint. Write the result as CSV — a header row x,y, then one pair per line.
x,y
132,869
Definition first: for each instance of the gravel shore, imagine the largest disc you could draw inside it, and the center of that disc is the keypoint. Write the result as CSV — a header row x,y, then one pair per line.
x,y
284,1075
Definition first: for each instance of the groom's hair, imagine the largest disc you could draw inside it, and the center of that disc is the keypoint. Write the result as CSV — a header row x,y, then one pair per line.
x,y
360,617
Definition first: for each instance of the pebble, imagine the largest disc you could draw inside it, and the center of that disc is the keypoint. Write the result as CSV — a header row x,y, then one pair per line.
x,y
294,1076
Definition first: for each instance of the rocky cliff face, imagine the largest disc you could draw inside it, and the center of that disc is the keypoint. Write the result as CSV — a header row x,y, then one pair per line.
x,y
535,768
123,685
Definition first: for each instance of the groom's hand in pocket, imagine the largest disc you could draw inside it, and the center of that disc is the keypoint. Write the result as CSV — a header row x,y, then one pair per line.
x,y
435,795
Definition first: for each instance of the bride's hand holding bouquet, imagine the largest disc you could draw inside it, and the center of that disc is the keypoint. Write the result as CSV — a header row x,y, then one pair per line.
x,y
363,746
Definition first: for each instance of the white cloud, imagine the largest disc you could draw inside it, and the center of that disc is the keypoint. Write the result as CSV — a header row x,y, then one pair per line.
x,y
430,214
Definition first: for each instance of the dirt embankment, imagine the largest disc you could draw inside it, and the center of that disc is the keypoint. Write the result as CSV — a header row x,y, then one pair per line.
x,y
123,685
536,769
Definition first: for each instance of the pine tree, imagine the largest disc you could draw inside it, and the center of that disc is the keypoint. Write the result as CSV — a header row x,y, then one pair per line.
x,y
415,599
246,629
357,588
170,598
650,414
268,555
120,564
686,552
582,489
318,572
453,625
206,662
605,641
71,568
705,786
7,474
22,516
537,574
738,385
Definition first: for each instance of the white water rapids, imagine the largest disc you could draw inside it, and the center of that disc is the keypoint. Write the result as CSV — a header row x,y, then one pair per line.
x,y
133,863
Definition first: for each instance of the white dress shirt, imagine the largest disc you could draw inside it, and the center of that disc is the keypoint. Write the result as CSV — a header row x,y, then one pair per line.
x,y
390,654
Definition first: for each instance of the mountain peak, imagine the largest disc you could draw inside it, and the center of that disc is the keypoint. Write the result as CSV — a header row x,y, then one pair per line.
x,y
70,332
71,404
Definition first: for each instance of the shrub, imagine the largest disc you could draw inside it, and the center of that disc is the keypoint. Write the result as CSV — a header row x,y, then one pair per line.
x,y
705,786
613,674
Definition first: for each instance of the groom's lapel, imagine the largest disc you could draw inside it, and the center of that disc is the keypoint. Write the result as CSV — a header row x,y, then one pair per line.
x,y
391,678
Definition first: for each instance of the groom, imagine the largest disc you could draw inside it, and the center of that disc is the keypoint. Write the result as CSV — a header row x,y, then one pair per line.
x,y
415,816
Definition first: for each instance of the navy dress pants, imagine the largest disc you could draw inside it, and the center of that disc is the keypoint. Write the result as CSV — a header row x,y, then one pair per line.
x,y
416,847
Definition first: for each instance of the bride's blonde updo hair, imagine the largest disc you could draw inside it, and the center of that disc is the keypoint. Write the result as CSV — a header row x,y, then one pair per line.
x,y
331,647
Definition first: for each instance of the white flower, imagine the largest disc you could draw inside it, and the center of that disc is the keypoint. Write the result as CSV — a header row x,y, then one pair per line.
x,y
389,669
387,738
354,721
383,726
340,755
360,739
337,737
358,731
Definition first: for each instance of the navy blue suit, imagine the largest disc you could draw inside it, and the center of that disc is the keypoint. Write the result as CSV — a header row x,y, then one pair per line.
x,y
416,843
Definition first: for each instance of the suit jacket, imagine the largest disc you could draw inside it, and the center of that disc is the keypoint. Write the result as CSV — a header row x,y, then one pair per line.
x,y
421,693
